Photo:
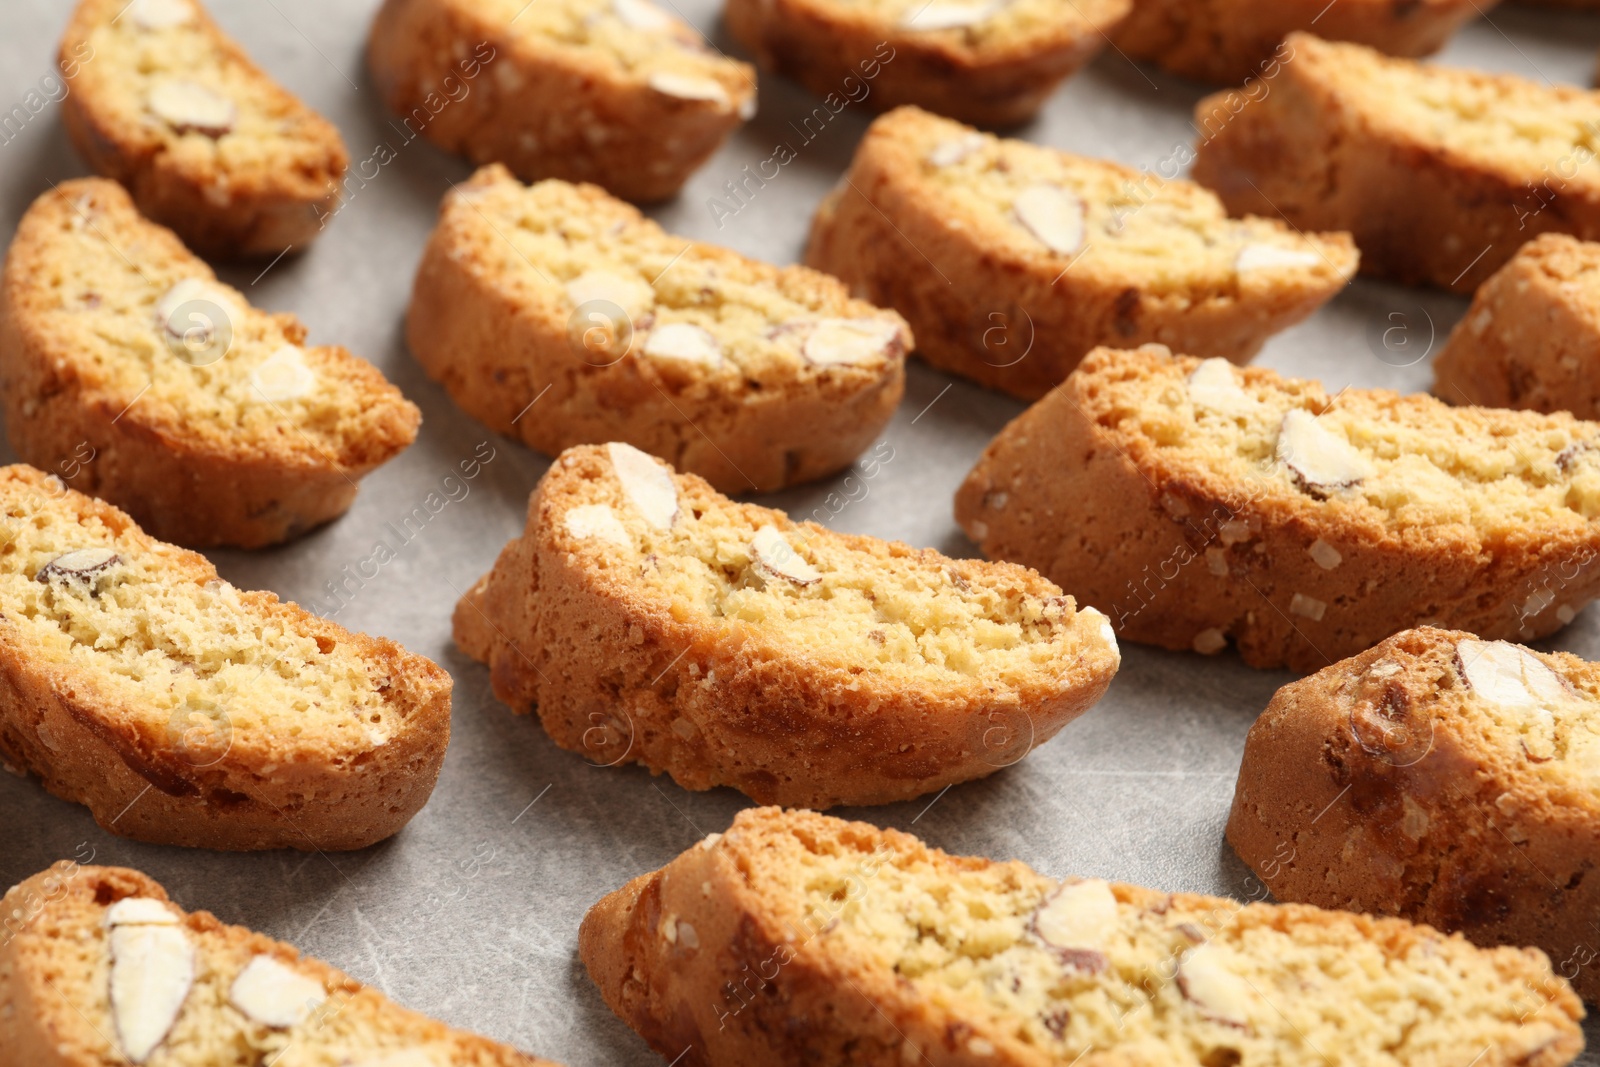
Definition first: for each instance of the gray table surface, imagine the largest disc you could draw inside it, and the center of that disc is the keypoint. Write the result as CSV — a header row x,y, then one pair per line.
x,y
471,913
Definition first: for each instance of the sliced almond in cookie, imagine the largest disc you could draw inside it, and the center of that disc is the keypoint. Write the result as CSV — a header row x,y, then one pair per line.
x,y
1511,677
274,994
81,564
1053,215
1215,385
160,14
688,87
1077,920
189,107
152,972
1274,257
1320,460
599,521
929,15
836,342
950,152
632,294
647,484
1209,978
685,341
284,376
141,911
775,556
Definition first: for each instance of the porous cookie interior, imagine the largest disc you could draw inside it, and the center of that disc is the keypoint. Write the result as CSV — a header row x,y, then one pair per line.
x,y
988,23
1412,461
150,324
910,614
638,38
1501,122
1168,236
169,77
176,648
693,310
1081,966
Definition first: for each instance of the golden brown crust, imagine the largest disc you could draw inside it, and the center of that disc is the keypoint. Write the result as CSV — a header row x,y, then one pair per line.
x,y
501,344
762,984
191,480
1020,319
62,724
1183,557
837,49
458,75
226,203
1531,339
1375,791
54,1012
1305,149
621,672
1229,41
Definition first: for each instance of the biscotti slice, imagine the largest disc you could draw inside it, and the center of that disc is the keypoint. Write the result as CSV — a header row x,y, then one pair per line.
x,y
651,620
561,316
1195,503
181,710
208,144
1532,336
991,62
1439,777
795,938
1233,41
622,93
1011,261
128,367
98,967
1441,174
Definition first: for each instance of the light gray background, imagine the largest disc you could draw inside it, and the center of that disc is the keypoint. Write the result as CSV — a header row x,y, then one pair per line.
x,y
471,913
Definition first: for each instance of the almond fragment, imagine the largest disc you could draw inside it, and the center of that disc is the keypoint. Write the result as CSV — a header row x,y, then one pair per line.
x,y
195,314
598,521
774,555
1324,555
1053,215
685,341
1077,921
948,15
688,87
1215,385
646,483
1273,257
1319,460
847,342
189,107
283,376
633,295
160,14
140,911
274,994
955,150
1308,607
81,565
1513,678
152,971
1210,641
1207,980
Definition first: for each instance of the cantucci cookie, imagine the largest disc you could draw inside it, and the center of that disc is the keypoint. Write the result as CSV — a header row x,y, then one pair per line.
x,y
622,93
1442,778
183,711
98,968
1532,336
992,62
651,620
1011,261
1197,503
123,356
207,143
1236,40
798,938
1441,174
561,316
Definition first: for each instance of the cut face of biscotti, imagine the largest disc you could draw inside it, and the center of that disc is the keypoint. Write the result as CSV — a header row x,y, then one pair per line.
x,y
1236,40
1052,254
99,967
128,367
992,62
651,620
799,938
752,376
167,104
1199,503
181,710
1532,336
1440,777
1440,174
622,93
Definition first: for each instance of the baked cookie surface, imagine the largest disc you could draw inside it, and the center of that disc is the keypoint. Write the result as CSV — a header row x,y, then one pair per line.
x,y
990,62
1438,777
648,619
561,316
1197,503
1532,336
126,363
1235,40
98,967
796,938
1011,261
205,141
182,710
621,93
1440,174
